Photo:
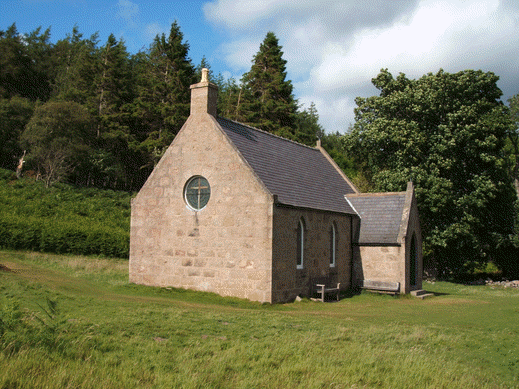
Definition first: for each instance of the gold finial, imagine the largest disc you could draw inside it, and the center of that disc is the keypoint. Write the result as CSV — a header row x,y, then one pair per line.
x,y
205,75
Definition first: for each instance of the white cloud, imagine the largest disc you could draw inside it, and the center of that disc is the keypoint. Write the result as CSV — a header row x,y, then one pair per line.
x,y
335,112
238,54
152,30
128,11
335,48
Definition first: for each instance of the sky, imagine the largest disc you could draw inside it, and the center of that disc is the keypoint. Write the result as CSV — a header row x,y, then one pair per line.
x,y
333,48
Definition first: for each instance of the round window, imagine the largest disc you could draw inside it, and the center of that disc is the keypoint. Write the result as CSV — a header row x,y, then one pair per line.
x,y
197,192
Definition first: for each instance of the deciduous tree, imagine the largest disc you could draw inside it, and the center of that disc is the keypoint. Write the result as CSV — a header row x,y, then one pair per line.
x,y
15,113
513,141
58,138
446,133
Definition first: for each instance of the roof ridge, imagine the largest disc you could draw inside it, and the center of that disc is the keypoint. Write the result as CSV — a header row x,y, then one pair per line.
x,y
268,133
375,194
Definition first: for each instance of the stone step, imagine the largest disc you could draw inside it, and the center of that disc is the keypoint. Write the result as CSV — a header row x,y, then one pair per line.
x,y
421,293
424,296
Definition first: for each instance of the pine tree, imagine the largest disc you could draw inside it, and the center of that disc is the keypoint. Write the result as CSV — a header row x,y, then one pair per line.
x,y
113,83
165,74
203,64
18,73
266,100
114,94
76,69
308,129
228,98
40,51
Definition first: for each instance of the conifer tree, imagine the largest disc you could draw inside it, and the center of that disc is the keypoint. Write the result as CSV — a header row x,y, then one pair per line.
x,y
40,50
229,93
113,83
114,94
18,68
76,69
165,74
266,100
198,70
308,129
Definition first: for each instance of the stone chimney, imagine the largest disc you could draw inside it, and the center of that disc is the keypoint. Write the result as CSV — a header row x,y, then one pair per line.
x,y
204,96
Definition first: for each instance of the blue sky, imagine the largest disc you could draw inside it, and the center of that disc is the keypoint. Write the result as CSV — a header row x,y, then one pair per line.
x,y
137,22
333,47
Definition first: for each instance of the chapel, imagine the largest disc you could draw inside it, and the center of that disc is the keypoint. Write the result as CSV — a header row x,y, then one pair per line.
x,y
237,211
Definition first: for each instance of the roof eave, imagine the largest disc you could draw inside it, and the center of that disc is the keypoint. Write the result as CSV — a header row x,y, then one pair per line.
x,y
277,203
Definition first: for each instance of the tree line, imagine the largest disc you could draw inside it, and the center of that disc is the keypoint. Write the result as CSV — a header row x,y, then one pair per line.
x,y
95,115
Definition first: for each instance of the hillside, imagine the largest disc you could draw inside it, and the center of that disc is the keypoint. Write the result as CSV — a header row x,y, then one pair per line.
x,y
62,218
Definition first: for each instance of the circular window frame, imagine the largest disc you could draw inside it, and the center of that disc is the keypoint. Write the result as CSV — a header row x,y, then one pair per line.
x,y
196,205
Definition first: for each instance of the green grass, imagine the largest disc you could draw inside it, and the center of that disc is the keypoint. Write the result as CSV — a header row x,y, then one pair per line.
x,y
70,321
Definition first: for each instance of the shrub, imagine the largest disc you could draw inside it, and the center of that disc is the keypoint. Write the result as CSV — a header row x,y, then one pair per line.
x,y
63,219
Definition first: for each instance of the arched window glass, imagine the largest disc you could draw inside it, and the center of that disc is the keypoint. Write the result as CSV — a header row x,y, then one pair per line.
x,y
300,244
197,192
333,245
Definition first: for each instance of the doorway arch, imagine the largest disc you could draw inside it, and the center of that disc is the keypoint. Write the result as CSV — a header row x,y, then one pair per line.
x,y
413,261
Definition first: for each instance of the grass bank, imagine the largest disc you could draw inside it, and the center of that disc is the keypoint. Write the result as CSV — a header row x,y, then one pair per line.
x,y
63,219
69,321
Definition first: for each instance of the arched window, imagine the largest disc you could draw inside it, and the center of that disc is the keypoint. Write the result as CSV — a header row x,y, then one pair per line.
x,y
333,245
300,243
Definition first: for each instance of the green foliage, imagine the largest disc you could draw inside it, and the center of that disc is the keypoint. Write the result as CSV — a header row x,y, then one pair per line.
x,y
63,219
446,133
229,98
113,159
307,127
333,145
164,74
136,103
58,136
267,101
512,146
21,60
75,63
110,334
15,113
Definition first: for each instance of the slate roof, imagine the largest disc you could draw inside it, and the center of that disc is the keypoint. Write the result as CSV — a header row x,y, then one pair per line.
x,y
380,216
299,175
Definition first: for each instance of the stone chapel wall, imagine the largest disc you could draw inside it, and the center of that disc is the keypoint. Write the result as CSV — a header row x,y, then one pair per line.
x,y
224,248
288,281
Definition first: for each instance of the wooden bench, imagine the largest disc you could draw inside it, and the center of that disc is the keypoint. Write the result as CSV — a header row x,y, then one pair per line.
x,y
380,286
323,290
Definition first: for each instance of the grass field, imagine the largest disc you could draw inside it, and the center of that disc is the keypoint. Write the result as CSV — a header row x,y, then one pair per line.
x,y
76,322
